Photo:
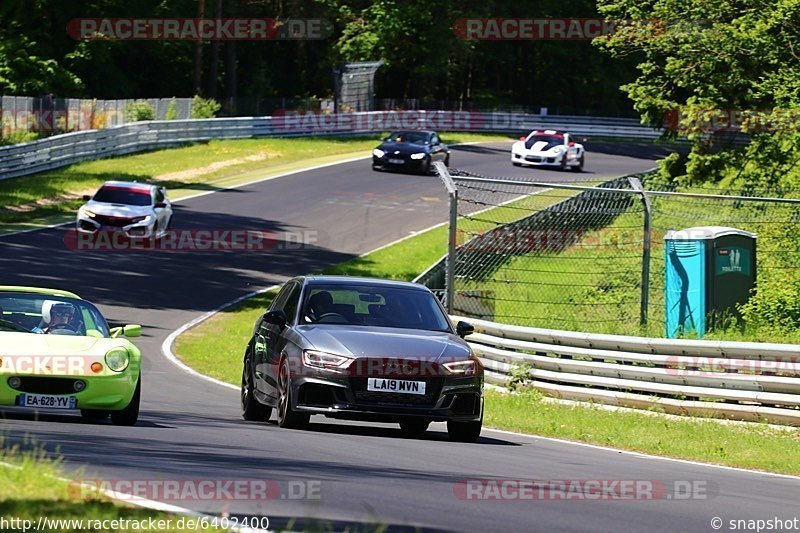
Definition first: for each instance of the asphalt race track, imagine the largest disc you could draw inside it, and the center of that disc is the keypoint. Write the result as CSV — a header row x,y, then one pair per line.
x,y
192,429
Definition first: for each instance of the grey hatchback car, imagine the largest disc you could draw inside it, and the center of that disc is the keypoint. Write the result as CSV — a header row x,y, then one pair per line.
x,y
362,349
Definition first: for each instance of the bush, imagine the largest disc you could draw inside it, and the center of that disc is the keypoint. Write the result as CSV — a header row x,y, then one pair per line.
x,y
204,107
18,136
137,111
172,110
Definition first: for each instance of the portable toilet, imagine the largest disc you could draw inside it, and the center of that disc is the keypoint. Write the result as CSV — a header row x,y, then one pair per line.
x,y
709,271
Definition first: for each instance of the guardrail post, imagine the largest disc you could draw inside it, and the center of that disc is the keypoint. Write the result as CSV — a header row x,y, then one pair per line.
x,y
648,229
450,264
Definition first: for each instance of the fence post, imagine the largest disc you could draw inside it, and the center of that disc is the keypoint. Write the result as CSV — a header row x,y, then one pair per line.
x,y
648,229
450,264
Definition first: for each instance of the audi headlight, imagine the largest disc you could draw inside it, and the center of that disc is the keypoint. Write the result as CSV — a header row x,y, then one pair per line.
x,y
468,367
85,213
377,152
418,156
328,361
117,359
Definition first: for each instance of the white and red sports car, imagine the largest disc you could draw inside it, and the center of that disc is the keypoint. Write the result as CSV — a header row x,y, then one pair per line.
x,y
548,148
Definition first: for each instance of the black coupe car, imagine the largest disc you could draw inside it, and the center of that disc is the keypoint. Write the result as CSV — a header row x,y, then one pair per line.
x,y
362,349
413,151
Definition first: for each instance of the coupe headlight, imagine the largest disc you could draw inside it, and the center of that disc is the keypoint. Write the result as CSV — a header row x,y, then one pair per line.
x,y
418,156
117,359
377,152
146,219
462,368
85,213
324,360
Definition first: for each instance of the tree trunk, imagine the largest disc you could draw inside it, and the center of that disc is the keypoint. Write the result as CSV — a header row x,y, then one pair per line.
x,y
198,53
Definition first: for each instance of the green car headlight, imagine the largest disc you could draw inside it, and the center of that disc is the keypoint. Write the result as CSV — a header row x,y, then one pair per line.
x,y
117,359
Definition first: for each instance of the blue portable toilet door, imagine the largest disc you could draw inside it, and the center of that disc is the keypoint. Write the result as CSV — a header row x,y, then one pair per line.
x,y
685,287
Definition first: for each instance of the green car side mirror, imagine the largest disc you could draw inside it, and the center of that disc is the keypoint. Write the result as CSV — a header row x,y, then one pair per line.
x,y
131,330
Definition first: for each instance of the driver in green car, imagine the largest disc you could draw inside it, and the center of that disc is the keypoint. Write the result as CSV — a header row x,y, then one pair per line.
x,y
56,316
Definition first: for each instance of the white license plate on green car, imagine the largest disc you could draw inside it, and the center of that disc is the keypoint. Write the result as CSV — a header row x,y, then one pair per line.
x,y
395,385
48,401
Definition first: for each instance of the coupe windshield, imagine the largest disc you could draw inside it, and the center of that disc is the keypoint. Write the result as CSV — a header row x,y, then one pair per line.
x,y
122,195
549,139
413,137
392,307
44,314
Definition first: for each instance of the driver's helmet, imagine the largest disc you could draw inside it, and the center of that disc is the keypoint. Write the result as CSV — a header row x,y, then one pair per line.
x,y
54,312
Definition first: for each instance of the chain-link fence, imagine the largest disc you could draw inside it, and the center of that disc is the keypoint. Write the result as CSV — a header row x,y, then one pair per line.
x,y
574,255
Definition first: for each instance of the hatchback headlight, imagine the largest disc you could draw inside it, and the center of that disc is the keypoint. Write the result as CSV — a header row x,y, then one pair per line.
x,y
468,367
117,359
83,212
324,360
377,152
420,155
145,219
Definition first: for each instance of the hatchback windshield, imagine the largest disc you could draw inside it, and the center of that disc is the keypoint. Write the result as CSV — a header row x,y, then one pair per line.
x,y
363,305
53,315
122,195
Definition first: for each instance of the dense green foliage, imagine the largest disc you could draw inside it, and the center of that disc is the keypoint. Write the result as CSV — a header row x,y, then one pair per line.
x,y
719,62
424,57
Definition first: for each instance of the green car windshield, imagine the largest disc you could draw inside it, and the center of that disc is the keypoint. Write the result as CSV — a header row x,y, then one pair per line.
x,y
52,315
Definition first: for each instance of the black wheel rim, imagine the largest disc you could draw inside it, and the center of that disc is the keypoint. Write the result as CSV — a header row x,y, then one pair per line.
x,y
245,384
283,392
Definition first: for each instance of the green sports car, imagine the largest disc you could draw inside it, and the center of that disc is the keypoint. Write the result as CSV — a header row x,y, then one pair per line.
x,y
58,352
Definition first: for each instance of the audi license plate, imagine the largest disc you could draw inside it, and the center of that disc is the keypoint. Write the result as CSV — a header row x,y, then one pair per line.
x,y
395,385
50,402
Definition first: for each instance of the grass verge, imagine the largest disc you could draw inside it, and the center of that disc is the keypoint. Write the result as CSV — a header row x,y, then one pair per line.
x,y
187,170
32,487
216,348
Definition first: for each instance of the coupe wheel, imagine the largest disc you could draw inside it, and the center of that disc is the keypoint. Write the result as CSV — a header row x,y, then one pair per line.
x,y
287,417
129,415
252,409
426,167
464,431
563,162
516,164
579,168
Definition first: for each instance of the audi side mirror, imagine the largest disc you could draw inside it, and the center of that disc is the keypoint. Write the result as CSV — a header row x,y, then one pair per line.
x,y
464,328
277,317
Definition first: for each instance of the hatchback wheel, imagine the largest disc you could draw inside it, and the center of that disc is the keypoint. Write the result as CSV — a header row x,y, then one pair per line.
x,y
287,417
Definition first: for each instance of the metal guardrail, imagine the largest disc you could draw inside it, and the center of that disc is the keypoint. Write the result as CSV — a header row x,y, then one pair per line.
x,y
66,149
750,381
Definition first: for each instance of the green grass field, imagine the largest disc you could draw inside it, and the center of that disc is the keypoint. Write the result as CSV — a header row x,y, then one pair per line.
x,y
32,486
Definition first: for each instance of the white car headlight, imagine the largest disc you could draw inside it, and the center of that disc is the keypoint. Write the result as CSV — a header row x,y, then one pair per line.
x,y
420,155
146,220
117,359
83,212
377,152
